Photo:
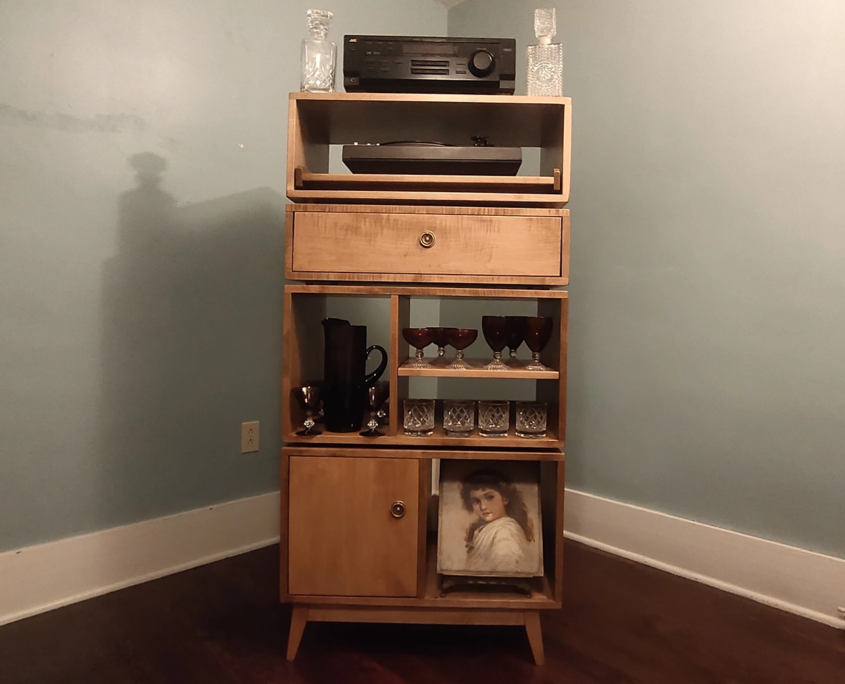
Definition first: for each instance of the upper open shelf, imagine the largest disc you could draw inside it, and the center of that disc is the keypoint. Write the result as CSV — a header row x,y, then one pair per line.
x,y
319,120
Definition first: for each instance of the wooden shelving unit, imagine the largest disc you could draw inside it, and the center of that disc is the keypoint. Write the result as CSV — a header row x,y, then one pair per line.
x,y
399,238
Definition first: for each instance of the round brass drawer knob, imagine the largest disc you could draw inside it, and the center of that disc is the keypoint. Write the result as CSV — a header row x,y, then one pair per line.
x,y
397,510
427,239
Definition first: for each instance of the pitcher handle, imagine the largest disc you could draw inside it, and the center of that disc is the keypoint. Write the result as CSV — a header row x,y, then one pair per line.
x,y
371,378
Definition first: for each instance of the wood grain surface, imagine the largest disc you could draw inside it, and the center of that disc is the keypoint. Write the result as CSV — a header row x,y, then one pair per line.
x,y
342,538
362,243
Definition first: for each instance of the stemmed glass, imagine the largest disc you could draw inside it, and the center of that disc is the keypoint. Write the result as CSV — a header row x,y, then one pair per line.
x,y
517,325
495,329
441,339
308,397
537,336
376,396
460,339
419,338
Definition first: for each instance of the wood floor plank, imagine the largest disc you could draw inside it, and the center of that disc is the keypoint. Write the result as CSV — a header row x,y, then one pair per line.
x,y
221,623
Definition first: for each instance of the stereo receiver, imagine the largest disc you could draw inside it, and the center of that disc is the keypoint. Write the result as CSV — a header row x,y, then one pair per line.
x,y
415,64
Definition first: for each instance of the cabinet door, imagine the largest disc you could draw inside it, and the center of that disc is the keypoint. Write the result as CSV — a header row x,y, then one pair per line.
x,y
344,539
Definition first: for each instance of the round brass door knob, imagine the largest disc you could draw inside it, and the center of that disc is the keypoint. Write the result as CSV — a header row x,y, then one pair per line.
x,y
397,510
427,239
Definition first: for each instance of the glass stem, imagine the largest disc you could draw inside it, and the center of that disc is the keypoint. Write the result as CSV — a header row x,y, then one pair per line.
x,y
419,354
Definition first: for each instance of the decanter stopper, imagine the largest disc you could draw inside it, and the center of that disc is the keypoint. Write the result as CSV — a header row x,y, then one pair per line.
x,y
545,61
319,56
545,25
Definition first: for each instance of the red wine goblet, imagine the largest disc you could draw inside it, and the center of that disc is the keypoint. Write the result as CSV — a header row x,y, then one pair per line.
x,y
460,339
537,336
441,339
517,326
495,329
419,339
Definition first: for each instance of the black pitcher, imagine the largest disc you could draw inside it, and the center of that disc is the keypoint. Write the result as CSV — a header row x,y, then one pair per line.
x,y
345,380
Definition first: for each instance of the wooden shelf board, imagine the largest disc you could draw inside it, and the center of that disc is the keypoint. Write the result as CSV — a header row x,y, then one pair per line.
x,y
456,453
457,292
478,371
541,599
440,98
431,211
307,180
398,197
438,439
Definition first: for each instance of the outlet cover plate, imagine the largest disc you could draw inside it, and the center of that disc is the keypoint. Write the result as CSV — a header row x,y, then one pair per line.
x,y
249,437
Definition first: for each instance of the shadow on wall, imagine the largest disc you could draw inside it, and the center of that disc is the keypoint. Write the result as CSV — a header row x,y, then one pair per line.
x,y
191,346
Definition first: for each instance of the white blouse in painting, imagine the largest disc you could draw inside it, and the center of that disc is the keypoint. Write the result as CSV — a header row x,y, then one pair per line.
x,y
500,546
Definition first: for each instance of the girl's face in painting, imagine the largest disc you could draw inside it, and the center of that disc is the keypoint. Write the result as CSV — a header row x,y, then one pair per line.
x,y
488,504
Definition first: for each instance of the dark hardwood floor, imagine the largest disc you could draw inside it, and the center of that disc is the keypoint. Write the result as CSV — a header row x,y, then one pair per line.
x,y
621,622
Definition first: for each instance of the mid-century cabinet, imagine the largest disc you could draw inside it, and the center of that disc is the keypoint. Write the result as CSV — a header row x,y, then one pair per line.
x,y
356,513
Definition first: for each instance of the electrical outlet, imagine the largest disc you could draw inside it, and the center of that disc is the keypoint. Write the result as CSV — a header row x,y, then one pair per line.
x,y
249,437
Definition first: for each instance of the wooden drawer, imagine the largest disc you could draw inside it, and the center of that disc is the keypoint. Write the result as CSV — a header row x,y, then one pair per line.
x,y
520,247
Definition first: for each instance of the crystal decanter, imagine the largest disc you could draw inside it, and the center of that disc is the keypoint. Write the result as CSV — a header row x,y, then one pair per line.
x,y
319,56
545,61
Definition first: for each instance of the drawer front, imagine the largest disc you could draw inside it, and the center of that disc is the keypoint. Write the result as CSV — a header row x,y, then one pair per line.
x,y
525,248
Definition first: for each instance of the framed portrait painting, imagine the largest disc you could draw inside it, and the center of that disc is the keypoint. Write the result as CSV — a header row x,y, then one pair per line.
x,y
489,520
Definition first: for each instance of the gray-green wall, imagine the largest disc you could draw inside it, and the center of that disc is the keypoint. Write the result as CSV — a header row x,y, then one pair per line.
x,y
140,306
707,318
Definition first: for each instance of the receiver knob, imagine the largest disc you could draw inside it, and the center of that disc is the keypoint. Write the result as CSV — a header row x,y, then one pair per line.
x,y
481,63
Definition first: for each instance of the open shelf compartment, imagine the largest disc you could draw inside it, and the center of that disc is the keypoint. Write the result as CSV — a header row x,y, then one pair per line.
x,y
305,307
319,120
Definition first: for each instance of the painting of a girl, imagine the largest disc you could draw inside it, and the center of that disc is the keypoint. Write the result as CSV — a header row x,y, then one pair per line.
x,y
494,522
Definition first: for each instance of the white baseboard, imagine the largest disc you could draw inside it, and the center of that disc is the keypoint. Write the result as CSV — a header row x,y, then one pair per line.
x,y
39,578
790,578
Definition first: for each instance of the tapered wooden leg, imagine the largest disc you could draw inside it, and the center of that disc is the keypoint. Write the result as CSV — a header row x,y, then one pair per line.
x,y
298,620
535,635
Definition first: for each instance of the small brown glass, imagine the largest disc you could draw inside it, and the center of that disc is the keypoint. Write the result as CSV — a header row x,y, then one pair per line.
x,y
460,339
495,329
419,339
308,397
376,396
537,335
